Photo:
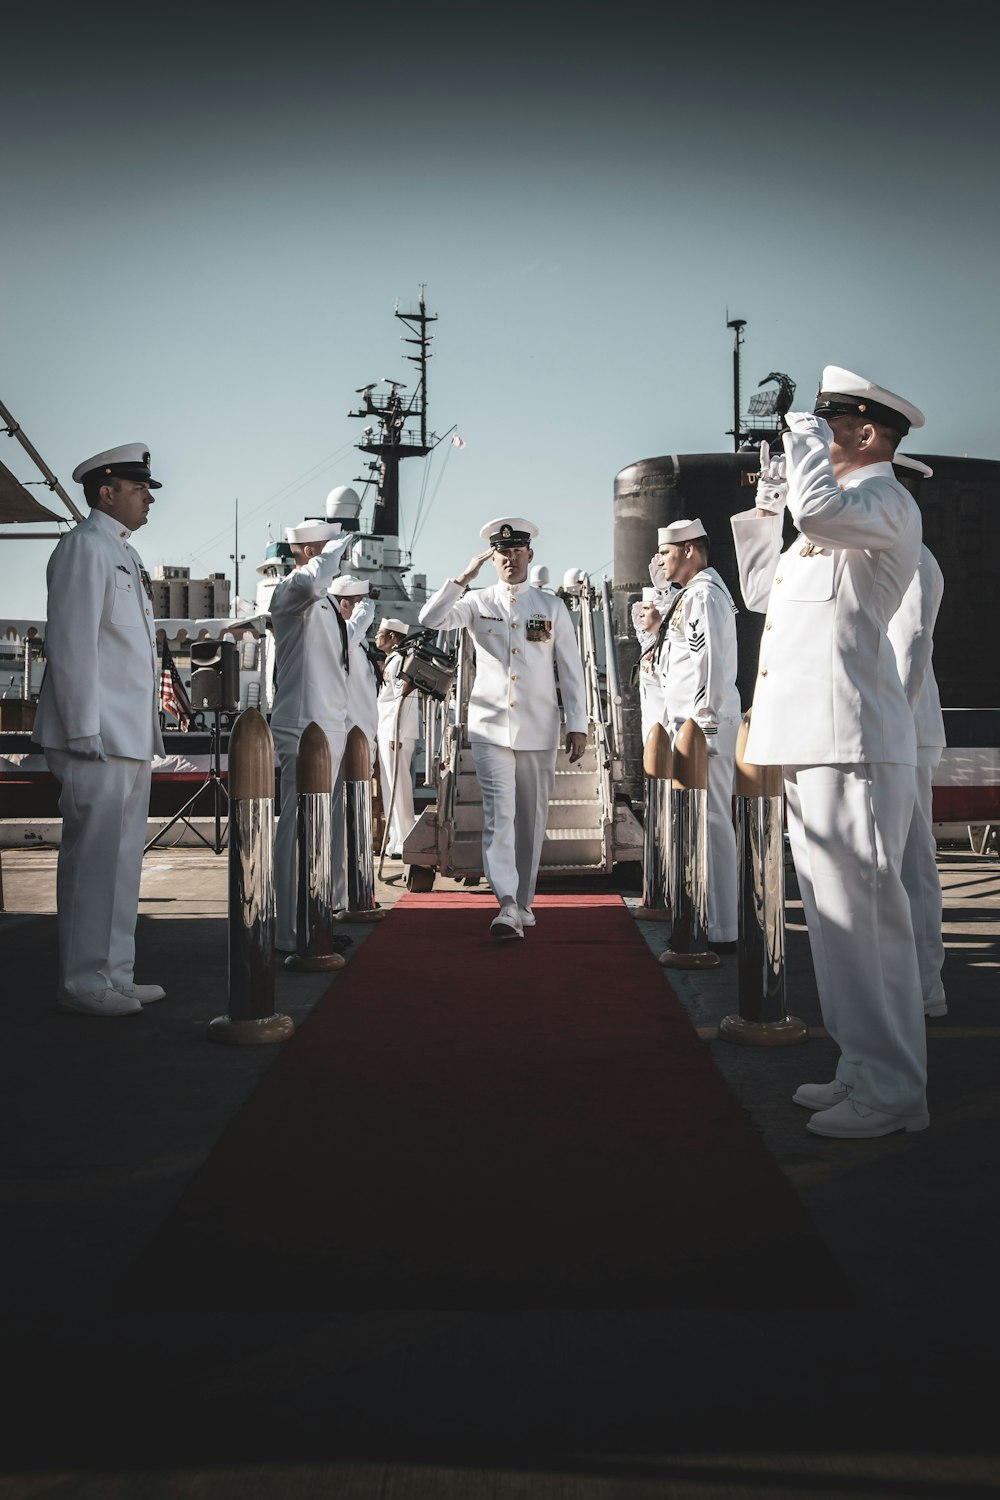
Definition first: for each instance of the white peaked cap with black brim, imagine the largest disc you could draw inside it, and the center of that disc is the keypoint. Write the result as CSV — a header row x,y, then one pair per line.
x,y
843,393
130,461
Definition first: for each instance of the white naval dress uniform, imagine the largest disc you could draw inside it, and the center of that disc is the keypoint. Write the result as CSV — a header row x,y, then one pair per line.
x,y
403,731
362,709
698,673
828,705
911,633
100,679
522,637
310,646
651,702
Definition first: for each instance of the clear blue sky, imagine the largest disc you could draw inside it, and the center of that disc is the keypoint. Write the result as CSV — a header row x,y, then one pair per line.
x,y
206,223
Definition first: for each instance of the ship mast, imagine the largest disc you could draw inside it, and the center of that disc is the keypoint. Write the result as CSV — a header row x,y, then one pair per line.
x,y
390,441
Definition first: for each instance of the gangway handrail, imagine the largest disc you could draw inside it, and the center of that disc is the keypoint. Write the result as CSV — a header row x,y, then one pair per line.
x,y
595,704
612,675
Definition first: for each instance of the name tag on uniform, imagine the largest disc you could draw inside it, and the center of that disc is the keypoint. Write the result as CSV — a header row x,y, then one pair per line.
x,y
539,628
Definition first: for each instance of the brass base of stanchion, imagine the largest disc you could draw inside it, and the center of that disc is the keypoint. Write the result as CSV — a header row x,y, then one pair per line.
x,y
672,960
763,1033
363,916
654,914
250,1033
319,963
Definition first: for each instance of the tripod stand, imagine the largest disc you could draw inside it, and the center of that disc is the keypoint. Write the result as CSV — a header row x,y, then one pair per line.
x,y
220,795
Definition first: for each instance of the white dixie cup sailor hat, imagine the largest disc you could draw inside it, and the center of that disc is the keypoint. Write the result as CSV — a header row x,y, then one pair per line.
x,y
649,596
904,461
398,627
842,393
679,531
346,587
509,531
312,531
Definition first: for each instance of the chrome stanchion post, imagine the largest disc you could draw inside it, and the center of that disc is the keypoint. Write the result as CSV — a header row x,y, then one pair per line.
x,y
657,763
688,864
314,920
251,1017
361,904
763,1019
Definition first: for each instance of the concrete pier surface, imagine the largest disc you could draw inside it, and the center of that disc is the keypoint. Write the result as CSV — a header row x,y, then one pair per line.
x,y
106,1122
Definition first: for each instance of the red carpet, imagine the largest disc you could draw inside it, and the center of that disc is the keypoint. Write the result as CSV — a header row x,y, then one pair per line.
x,y
469,1123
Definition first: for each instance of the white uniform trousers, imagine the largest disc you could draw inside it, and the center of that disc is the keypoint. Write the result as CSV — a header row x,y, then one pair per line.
x,y
517,787
722,876
847,825
286,745
104,807
397,789
923,886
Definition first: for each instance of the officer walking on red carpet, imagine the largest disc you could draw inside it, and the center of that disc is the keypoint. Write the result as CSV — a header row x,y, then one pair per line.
x,y
522,636
98,723
829,706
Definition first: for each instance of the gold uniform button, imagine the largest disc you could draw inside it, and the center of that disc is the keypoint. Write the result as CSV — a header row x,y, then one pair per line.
x,y
767,624
513,677
513,703
778,579
763,671
514,651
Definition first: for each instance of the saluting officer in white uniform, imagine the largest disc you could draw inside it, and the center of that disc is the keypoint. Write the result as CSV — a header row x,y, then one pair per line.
x,y
398,732
698,671
522,636
829,705
646,621
311,670
98,722
911,631
358,609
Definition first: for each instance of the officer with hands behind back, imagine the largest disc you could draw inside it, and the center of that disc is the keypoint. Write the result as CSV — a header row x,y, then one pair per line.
x,y
98,723
522,635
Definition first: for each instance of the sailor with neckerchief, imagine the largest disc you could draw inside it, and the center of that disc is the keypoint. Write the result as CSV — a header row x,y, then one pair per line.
x,y
697,665
311,670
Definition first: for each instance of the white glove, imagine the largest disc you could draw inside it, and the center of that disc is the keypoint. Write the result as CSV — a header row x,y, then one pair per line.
x,y
712,747
88,747
657,576
772,486
336,544
807,423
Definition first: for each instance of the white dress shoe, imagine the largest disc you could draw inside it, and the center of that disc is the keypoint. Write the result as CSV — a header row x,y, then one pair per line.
x,y
144,993
107,1003
507,922
821,1095
853,1121
527,916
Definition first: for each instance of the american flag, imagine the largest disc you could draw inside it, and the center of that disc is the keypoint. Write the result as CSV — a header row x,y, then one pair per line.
x,y
173,695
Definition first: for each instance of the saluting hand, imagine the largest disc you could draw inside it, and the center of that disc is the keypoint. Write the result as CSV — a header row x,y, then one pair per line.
x,y
772,486
474,565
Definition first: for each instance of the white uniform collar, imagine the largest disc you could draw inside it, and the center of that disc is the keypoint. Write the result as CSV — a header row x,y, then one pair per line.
x,y
870,471
115,528
510,590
